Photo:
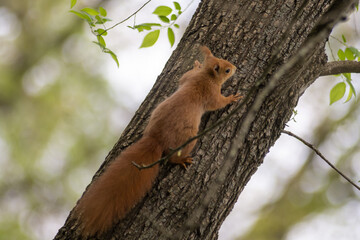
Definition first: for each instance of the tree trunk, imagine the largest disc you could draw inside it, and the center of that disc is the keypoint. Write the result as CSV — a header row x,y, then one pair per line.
x,y
259,37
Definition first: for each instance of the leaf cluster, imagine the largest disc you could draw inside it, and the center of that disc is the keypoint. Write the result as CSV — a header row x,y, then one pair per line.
x,y
167,17
338,91
96,20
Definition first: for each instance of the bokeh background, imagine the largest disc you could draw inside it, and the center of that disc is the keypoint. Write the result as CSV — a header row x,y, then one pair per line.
x,y
63,105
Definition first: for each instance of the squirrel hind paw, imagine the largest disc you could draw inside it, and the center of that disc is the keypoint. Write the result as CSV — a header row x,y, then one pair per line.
x,y
183,162
186,161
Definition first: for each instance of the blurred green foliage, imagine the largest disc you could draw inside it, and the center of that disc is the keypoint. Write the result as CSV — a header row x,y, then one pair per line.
x,y
55,110
314,190
56,128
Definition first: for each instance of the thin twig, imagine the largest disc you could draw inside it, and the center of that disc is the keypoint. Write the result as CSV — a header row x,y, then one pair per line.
x,y
339,41
322,156
331,51
179,15
188,5
128,16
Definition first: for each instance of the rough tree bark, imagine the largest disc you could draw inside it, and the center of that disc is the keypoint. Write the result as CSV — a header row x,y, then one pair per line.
x,y
259,37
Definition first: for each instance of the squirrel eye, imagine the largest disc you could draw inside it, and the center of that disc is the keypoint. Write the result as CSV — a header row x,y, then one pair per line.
x,y
227,70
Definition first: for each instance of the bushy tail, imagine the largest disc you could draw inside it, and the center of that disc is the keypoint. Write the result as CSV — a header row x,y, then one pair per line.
x,y
119,188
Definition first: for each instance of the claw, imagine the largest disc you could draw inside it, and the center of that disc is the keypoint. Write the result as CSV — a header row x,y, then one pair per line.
x,y
236,97
187,160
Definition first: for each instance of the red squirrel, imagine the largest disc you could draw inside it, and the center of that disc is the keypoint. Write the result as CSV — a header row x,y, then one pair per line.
x,y
173,122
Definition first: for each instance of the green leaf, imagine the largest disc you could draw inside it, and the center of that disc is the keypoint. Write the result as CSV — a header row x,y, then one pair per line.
x,y
101,41
102,11
164,19
149,24
113,55
343,38
145,26
352,88
106,19
173,17
99,19
162,11
337,92
140,28
81,15
150,39
177,6
349,96
115,58
176,25
101,31
171,36
98,44
355,51
90,11
349,54
152,24
347,76
73,2
341,55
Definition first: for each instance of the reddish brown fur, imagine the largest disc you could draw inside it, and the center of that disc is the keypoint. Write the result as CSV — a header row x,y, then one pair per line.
x,y
173,122
121,186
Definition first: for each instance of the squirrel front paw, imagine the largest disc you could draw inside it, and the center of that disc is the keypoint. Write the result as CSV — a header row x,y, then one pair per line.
x,y
235,97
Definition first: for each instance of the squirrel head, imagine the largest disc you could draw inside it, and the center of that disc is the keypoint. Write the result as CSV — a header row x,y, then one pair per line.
x,y
218,68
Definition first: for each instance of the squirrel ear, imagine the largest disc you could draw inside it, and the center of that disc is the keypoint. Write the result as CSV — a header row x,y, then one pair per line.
x,y
216,67
206,51
197,64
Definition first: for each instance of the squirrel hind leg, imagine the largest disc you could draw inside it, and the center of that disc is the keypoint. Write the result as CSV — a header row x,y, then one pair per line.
x,y
182,161
182,156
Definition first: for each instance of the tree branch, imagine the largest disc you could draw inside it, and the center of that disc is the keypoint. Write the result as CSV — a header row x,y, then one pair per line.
x,y
322,156
337,67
